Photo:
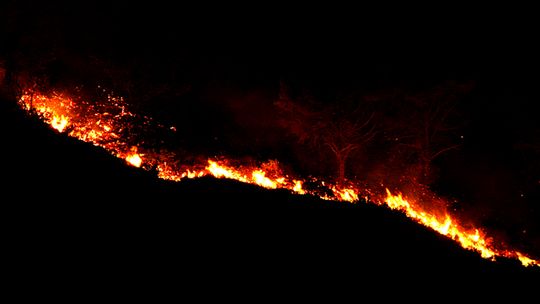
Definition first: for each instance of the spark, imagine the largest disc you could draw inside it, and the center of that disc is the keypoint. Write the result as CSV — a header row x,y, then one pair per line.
x,y
104,124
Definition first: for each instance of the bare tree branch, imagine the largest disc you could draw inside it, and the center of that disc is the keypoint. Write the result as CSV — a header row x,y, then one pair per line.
x,y
444,150
328,125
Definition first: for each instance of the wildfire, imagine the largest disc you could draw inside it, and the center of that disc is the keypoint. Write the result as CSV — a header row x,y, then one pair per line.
x,y
98,124
59,123
445,226
134,159
105,124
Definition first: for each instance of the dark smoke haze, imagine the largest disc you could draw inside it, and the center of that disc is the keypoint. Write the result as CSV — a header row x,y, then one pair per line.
x,y
219,87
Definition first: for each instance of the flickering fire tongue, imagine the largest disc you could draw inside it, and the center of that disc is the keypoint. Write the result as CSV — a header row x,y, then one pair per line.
x,y
107,124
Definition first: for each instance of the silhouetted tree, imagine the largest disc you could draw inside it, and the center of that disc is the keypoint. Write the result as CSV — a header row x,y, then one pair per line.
x,y
342,127
428,125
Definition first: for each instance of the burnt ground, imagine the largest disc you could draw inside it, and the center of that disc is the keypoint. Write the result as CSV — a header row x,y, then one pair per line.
x,y
73,210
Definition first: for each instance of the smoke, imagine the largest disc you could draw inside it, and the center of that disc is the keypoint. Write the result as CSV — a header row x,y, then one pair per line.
x,y
252,118
220,97
478,185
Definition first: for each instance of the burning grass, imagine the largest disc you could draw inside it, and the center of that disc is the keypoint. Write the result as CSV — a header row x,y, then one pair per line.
x,y
110,124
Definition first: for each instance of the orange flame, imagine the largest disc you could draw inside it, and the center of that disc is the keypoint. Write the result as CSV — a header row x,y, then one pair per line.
x,y
134,159
59,122
445,226
103,126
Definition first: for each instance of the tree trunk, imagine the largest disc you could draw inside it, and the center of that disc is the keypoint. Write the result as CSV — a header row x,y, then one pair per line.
x,y
341,159
425,171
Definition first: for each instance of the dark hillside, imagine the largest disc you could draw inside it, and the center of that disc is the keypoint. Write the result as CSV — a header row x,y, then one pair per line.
x,y
71,204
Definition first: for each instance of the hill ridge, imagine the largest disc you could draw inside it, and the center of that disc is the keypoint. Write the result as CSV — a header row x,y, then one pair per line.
x,y
72,189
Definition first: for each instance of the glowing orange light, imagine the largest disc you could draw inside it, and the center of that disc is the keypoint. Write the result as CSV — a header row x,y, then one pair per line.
x,y
526,261
59,123
134,160
298,187
348,195
103,126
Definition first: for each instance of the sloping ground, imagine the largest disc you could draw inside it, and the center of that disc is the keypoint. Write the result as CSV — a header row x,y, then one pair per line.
x,y
72,208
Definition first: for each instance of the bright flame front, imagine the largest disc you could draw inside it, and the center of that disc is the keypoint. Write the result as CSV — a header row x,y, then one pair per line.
x,y
134,159
103,126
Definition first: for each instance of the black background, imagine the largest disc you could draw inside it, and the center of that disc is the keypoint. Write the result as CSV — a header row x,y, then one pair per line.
x,y
70,198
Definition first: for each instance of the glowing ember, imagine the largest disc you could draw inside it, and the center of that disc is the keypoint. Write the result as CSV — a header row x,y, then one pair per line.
x,y
348,195
445,226
298,187
134,160
526,261
100,124
59,123
263,181
105,125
